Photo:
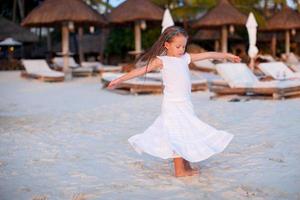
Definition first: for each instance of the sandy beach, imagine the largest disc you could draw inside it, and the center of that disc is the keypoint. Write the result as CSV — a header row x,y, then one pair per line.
x,y
69,141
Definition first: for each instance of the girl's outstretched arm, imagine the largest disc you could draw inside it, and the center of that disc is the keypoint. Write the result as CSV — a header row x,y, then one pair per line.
x,y
215,55
153,65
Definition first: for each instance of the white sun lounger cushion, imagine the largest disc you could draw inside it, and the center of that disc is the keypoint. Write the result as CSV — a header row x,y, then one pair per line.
x,y
111,76
94,65
236,74
40,67
292,59
296,67
277,70
60,62
108,76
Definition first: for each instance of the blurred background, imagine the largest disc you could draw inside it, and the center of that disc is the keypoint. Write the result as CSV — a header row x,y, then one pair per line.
x,y
111,37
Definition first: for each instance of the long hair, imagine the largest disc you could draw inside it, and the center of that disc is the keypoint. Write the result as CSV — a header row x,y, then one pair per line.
x,y
158,47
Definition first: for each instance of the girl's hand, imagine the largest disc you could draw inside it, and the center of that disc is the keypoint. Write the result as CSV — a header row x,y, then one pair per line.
x,y
113,84
233,58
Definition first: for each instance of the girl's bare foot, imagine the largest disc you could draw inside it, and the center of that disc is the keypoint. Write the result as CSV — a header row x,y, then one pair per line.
x,y
188,167
184,173
183,168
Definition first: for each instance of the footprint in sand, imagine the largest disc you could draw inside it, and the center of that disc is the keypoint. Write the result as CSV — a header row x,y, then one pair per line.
x,y
79,196
279,160
40,197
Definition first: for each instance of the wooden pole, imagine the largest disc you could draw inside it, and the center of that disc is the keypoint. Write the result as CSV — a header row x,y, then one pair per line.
x,y
65,51
273,45
49,44
21,8
287,42
217,45
224,39
14,11
252,64
80,51
138,38
105,32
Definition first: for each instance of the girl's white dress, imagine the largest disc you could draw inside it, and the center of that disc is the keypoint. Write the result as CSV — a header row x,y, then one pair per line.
x,y
177,132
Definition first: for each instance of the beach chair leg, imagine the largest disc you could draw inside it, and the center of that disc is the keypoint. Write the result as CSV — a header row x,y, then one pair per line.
x,y
212,97
216,96
278,96
133,91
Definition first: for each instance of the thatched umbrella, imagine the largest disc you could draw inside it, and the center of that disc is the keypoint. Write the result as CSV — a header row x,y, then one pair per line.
x,y
65,13
222,15
136,11
213,35
10,29
286,20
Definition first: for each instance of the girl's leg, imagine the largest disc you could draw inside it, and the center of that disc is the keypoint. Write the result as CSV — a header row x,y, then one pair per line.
x,y
180,168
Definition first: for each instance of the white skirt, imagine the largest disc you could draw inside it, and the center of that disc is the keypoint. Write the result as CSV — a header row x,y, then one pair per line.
x,y
177,132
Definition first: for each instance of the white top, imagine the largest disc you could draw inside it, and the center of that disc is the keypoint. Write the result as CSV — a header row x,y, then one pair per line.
x,y
176,77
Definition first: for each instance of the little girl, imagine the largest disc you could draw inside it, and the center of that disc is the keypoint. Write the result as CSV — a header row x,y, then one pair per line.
x,y
177,133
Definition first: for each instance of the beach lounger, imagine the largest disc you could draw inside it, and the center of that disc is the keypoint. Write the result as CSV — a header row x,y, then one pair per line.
x,y
59,61
278,71
204,65
295,67
266,57
241,81
151,83
98,67
293,62
39,69
76,69
135,86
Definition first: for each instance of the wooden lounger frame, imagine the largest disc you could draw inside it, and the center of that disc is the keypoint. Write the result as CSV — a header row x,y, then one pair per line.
x,y
42,78
275,93
74,73
82,74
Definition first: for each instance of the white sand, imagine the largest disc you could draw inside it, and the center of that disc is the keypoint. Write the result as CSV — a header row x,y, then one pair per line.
x,y
62,140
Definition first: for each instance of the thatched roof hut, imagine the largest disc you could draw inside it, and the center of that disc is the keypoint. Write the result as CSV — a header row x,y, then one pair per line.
x,y
136,11
222,15
13,30
52,12
285,20
62,12
133,10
